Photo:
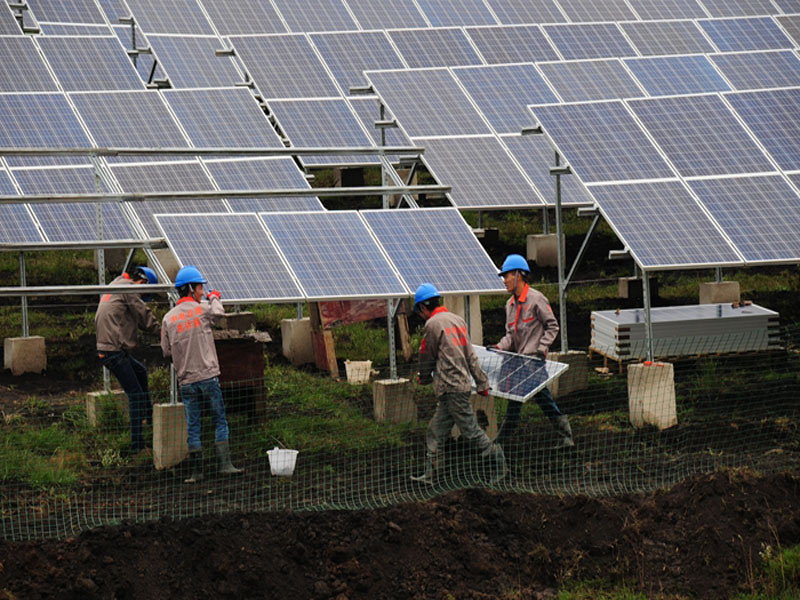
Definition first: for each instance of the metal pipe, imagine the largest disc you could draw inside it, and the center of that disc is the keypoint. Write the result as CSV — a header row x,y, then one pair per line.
x,y
77,290
23,282
648,322
212,150
562,285
84,245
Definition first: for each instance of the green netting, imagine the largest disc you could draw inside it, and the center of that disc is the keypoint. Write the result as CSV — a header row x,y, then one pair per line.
x,y
640,429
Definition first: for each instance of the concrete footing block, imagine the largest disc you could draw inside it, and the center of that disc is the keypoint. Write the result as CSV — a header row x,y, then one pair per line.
x,y
485,413
24,354
718,292
239,321
296,340
631,288
651,395
455,304
393,401
94,403
575,378
169,435
542,248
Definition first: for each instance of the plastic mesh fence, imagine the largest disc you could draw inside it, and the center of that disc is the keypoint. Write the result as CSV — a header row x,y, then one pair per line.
x,y
635,427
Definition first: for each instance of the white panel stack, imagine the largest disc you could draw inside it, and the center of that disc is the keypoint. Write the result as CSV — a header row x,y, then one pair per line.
x,y
685,330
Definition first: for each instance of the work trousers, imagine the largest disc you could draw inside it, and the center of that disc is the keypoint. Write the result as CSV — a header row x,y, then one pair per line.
x,y
132,376
455,408
545,401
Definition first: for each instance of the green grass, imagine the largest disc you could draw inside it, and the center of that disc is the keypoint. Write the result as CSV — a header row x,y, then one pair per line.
x,y
599,589
777,577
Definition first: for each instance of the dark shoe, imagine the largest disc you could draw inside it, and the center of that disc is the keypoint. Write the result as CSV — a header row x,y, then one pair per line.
x,y
224,458
195,467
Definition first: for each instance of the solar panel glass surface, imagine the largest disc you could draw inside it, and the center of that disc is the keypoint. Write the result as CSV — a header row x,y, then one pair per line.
x,y
791,24
589,40
90,63
191,62
588,11
759,70
527,11
333,255
590,80
22,68
16,225
8,23
448,13
66,11
751,33
668,75
662,225
170,16
383,15
517,377
788,6
655,38
739,8
234,253
435,246
602,142
512,44
700,135
315,15
114,9
442,47
233,17
761,215
651,10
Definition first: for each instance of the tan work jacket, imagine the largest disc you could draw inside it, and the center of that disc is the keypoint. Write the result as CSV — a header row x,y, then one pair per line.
x,y
531,325
119,318
187,338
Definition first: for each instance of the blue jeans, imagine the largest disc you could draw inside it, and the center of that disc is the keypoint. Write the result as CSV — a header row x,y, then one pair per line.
x,y
545,401
132,376
193,395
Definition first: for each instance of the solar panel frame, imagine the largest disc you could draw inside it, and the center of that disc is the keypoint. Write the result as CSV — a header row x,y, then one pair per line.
x,y
241,17
583,80
503,44
382,15
22,68
170,16
656,38
434,245
66,11
518,12
234,253
311,243
456,13
315,15
592,11
759,70
672,75
440,47
652,10
745,33
577,41
191,62
73,29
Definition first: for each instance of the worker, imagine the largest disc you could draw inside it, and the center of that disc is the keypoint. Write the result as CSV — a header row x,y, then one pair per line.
x,y
187,339
117,322
531,327
446,358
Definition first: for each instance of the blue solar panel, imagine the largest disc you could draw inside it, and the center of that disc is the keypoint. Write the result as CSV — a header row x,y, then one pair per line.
x,y
436,246
22,68
774,117
8,23
349,54
517,377
752,33
700,135
792,26
90,63
526,11
284,66
588,11
16,225
650,10
663,226
788,6
512,44
333,255
263,174
447,13
503,93
235,17
315,15
228,118
428,102
654,38
739,8
191,62
480,172
602,142
66,11
382,15
442,47
761,215
759,70
594,40
114,9
323,123
234,254
590,80
535,154
668,75
170,16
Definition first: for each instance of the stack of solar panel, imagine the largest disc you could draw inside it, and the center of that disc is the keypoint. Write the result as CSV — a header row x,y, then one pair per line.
x,y
685,330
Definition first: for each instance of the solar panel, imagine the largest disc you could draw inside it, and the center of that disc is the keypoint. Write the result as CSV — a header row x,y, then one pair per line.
x,y
66,11
480,172
788,6
739,8
263,174
792,26
90,63
234,253
170,16
590,80
655,38
235,17
382,15
442,47
774,117
226,118
428,102
668,75
22,68
589,40
700,135
315,15
368,111
16,224
663,226
448,13
758,70
527,11
761,215
587,11
349,54
503,93
114,9
190,62
8,23
602,142
512,44
517,377
284,66
535,154
74,29
651,10
333,255
323,123
435,245
751,33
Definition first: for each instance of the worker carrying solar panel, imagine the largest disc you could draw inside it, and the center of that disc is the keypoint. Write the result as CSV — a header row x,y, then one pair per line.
x,y
446,358
187,338
117,322
531,327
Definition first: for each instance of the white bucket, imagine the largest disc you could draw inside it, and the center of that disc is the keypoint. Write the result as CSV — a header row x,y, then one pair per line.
x,y
358,371
282,461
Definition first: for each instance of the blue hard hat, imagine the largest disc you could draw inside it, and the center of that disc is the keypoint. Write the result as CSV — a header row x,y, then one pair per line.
x,y
425,292
148,272
515,262
188,274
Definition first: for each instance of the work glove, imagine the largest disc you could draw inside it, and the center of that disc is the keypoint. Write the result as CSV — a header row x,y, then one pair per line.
x,y
213,294
492,348
540,355
484,392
